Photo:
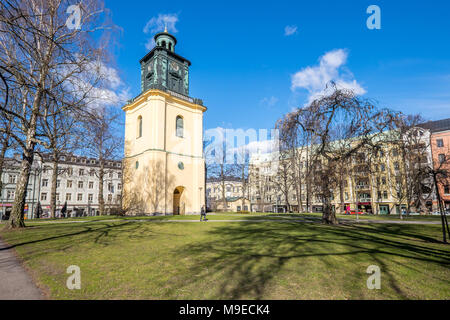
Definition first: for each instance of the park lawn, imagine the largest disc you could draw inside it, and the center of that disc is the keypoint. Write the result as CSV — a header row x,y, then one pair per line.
x,y
125,259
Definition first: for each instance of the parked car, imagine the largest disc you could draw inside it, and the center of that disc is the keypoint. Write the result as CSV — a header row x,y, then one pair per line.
x,y
438,213
411,213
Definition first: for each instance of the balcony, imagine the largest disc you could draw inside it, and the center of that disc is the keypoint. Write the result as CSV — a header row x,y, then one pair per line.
x,y
362,187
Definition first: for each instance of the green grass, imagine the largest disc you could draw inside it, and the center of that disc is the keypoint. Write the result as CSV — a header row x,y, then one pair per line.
x,y
125,259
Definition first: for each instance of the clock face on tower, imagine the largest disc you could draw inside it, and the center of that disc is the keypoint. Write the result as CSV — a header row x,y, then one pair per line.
x,y
164,69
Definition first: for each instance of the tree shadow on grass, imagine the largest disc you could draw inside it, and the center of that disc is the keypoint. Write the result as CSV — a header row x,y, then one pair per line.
x,y
245,259
71,235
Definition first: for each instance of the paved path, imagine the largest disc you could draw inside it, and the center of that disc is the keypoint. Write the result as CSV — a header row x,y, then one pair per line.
x,y
15,283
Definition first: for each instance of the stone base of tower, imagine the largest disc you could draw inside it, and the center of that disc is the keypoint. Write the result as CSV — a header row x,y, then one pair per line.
x,y
157,187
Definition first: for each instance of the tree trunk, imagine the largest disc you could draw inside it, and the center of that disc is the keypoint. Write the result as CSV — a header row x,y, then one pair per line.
x,y
53,188
101,200
2,162
16,219
441,210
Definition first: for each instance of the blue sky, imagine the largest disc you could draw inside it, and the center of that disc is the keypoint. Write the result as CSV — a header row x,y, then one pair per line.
x,y
245,55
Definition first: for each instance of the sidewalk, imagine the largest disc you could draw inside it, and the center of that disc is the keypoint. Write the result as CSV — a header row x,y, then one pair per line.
x,y
15,283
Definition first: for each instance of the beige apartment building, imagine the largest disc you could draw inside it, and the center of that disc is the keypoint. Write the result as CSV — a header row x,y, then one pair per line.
x,y
235,195
370,184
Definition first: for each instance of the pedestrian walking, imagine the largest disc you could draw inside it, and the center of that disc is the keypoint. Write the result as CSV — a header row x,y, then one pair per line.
x,y
203,214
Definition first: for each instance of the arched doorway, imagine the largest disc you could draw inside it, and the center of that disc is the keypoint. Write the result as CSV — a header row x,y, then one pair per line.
x,y
178,205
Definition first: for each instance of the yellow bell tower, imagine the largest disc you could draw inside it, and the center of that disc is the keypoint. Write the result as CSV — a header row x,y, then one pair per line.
x,y
164,169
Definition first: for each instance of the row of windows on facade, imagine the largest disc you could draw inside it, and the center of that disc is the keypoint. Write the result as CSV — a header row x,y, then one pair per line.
x,y
84,161
179,125
79,197
228,189
69,184
81,172
12,178
363,197
361,158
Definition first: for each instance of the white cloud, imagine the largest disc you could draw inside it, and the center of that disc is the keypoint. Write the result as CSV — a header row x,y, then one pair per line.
x,y
290,30
97,84
315,79
157,24
269,101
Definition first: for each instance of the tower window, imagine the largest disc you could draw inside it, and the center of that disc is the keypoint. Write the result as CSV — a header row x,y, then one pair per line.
x,y
170,46
163,44
139,133
179,127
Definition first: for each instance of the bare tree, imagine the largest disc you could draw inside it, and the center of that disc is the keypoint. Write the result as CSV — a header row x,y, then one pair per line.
x,y
100,140
60,137
41,57
341,124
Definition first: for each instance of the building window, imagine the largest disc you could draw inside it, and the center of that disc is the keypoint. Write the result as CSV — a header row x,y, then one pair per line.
x,y
119,186
139,133
385,194
68,196
382,167
58,183
441,158
110,174
80,184
57,196
81,172
92,172
12,178
69,171
447,189
109,197
45,182
179,126
440,143
396,166
69,183
110,187
119,175
43,196
91,184
11,194
80,197
90,197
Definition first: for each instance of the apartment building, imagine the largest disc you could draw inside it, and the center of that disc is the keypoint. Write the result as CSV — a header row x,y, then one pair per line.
x,y
77,185
233,191
371,183
9,178
440,146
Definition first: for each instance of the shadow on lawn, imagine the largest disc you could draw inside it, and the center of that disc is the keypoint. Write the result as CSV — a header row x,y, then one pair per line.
x,y
100,233
246,257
